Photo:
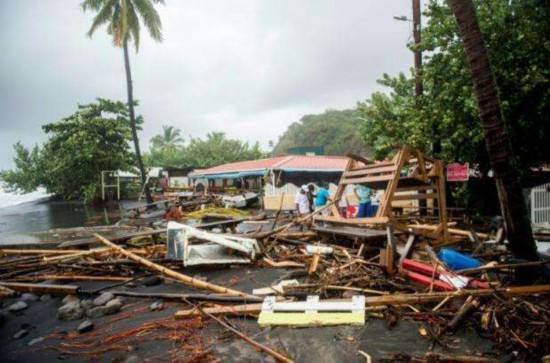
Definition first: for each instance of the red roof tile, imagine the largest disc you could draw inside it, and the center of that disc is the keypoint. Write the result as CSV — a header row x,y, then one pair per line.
x,y
287,162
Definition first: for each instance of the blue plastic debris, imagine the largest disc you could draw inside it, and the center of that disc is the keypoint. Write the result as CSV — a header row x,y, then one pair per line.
x,y
456,260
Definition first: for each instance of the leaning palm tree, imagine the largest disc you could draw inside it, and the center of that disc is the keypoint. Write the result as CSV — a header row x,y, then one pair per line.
x,y
497,140
169,139
123,25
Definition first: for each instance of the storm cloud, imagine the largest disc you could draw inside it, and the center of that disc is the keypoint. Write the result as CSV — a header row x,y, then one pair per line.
x,y
246,67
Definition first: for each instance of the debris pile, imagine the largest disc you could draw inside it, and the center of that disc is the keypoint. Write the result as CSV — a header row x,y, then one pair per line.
x,y
336,271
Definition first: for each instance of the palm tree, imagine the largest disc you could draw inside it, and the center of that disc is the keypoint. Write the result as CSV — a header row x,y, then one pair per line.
x,y
497,140
169,139
123,25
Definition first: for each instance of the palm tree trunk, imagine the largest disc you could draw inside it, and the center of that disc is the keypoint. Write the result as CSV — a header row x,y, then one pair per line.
x,y
497,141
133,123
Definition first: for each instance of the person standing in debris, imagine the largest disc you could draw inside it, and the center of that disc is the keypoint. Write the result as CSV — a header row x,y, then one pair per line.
x,y
174,213
311,196
302,202
321,198
362,193
375,203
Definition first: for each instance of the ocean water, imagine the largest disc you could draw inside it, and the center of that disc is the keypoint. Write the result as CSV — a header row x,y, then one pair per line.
x,y
23,214
8,199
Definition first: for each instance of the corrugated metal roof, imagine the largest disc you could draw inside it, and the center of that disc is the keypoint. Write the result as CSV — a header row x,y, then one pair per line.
x,y
287,162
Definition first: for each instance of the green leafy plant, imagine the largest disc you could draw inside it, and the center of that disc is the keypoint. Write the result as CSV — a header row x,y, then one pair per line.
x,y
94,138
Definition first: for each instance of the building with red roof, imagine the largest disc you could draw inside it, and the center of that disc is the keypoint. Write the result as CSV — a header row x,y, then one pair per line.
x,y
272,174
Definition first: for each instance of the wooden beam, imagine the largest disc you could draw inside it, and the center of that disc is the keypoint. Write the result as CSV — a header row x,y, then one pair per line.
x,y
42,288
459,232
378,170
371,220
415,196
217,310
385,209
369,179
73,278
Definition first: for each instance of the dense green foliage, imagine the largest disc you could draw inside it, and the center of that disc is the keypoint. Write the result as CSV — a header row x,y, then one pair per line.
x,y
95,138
517,34
336,131
168,150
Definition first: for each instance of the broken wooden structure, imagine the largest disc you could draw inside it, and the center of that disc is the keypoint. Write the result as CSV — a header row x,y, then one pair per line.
x,y
408,176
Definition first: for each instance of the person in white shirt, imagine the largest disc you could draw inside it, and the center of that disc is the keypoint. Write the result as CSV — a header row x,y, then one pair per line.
x,y
302,202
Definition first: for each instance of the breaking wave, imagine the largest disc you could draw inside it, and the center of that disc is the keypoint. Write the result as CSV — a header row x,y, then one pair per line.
x,y
8,199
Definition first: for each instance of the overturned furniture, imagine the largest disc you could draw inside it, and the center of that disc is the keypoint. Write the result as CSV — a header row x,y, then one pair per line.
x,y
219,249
409,176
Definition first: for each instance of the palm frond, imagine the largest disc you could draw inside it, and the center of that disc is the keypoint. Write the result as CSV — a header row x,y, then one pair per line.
x,y
103,16
123,19
133,24
151,18
92,4
116,30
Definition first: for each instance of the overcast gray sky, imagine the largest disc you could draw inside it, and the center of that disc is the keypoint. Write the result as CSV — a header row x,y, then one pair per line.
x,y
246,67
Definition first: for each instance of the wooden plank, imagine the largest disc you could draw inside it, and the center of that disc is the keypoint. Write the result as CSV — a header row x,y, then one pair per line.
x,y
415,196
415,188
371,220
385,208
459,232
369,179
359,158
406,250
42,288
269,318
442,200
422,166
340,190
378,170
73,278
234,309
375,165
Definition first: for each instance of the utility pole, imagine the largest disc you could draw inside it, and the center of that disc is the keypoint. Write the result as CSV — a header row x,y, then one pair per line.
x,y
419,89
418,85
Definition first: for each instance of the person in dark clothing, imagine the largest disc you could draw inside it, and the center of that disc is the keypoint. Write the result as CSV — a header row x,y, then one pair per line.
x,y
311,196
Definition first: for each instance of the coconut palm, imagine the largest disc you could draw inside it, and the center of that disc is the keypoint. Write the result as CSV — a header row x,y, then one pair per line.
x,y
169,139
497,141
122,18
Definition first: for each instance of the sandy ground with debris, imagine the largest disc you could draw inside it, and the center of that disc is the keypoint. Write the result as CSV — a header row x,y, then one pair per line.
x,y
320,344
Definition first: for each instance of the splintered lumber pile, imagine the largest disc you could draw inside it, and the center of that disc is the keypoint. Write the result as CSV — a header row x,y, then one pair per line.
x,y
395,271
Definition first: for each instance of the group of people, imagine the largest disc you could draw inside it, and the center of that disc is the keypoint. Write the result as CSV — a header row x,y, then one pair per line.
x,y
308,199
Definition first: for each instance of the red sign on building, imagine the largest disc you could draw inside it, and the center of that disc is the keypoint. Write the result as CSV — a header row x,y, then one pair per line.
x,y
458,172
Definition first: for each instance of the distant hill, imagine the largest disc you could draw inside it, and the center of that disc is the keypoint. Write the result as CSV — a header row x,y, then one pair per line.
x,y
336,131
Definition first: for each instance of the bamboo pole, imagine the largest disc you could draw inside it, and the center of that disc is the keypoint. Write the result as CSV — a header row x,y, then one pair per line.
x,y
168,272
399,299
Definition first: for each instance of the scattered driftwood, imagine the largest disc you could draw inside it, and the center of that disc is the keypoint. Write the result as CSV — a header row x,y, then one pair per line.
x,y
191,297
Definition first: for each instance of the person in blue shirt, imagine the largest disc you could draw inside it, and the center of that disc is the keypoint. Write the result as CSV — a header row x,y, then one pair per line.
x,y
363,194
322,197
